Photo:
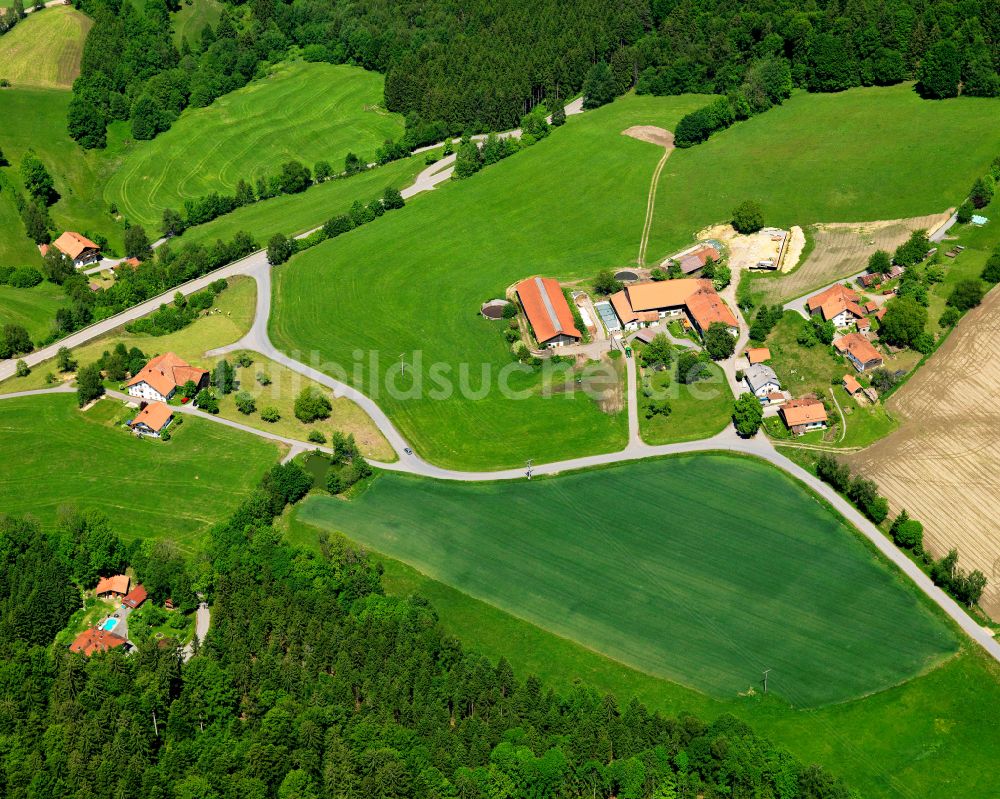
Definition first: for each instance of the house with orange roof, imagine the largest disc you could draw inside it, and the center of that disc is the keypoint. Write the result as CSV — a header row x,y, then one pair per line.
x,y
691,297
859,351
115,587
159,379
758,355
96,640
803,415
135,597
838,304
547,311
78,248
851,384
152,420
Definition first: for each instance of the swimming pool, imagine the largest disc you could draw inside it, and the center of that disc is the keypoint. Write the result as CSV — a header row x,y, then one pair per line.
x,y
109,625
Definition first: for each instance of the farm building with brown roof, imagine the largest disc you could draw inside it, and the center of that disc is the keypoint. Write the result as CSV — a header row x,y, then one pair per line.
x,y
161,377
803,415
548,312
674,298
758,355
859,351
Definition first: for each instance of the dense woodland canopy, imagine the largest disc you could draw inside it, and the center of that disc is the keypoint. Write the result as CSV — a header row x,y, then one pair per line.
x,y
313,683
481,64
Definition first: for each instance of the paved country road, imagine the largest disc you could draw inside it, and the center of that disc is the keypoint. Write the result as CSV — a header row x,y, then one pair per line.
x,y
257,339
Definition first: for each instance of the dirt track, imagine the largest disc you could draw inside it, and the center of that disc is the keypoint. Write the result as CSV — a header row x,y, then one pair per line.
x,y
842,249
665,139
943,462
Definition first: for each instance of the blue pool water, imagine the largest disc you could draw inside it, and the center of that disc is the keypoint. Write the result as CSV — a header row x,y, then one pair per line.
x,y
109,625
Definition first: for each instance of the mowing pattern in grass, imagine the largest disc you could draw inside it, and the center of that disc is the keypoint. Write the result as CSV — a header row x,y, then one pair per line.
x,y
305,112
854,156
413,282
34,308
44,49
55,455
702,569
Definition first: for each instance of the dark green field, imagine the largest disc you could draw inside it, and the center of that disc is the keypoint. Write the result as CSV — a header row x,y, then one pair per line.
x,y
704,570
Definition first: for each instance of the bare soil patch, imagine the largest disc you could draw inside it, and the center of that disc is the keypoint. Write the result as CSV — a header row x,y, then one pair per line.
x,y
842,249
652,134
941,464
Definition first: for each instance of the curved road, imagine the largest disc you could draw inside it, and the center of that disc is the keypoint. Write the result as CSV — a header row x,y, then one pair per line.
x,y
257,339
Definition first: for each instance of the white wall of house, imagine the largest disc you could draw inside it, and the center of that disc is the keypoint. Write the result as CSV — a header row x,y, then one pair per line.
x,y
143,390
769,387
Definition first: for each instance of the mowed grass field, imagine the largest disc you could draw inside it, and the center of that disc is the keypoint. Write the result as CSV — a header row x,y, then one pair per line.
x,y
54,455
684,568
305,112
860,155
44,49
414,280
34,309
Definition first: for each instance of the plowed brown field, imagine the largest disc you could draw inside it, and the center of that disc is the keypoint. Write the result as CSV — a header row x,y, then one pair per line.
x,y
842,249
943,463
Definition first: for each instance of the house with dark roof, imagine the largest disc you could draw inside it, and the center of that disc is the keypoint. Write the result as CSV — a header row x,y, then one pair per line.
x,y
159,379
761,380
547,311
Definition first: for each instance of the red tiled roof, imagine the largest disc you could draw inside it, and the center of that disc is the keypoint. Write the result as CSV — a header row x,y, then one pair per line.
x,y
803,411
858,346
135,597
112,585
96,640
851,384
706,308
155,416
546,308
834,300
758,355
167,372
73,244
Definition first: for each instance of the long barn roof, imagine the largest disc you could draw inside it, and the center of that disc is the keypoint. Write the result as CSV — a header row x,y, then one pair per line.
x,y
547,309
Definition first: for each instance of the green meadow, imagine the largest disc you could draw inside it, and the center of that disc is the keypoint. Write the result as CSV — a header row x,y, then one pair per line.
x,y
296,213
56,455
853,156
36,119
34,309
44,49
685,568
413,282
305,112
192,17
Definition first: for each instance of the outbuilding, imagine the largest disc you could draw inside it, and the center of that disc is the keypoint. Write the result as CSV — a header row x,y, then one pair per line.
x,y
548,312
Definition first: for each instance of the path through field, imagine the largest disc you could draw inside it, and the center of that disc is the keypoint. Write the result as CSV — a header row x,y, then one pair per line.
x,y
842,249
943,461
665,139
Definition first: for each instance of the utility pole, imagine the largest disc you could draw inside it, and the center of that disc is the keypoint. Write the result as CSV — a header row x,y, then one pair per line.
x,y
765,680
156,730
401,363
529,468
